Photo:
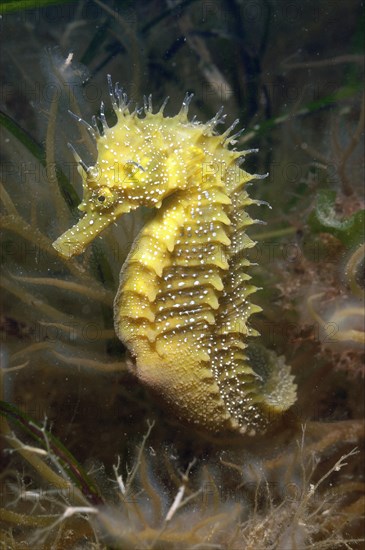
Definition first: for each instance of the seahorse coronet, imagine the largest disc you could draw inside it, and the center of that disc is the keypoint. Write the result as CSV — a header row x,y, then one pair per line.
x,y
182,307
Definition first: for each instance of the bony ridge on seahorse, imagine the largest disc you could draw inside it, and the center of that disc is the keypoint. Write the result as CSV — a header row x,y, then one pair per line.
x,y
182,306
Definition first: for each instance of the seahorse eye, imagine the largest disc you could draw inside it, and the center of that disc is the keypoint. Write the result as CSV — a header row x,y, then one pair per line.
x,y
105,198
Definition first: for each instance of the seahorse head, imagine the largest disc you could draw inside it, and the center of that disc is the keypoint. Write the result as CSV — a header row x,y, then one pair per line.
x,y
134,168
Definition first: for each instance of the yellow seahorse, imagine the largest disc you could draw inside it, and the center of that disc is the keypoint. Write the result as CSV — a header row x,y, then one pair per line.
x,y
182,305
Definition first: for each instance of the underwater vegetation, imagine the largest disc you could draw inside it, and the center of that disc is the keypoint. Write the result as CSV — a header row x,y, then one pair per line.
x,y
89,458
